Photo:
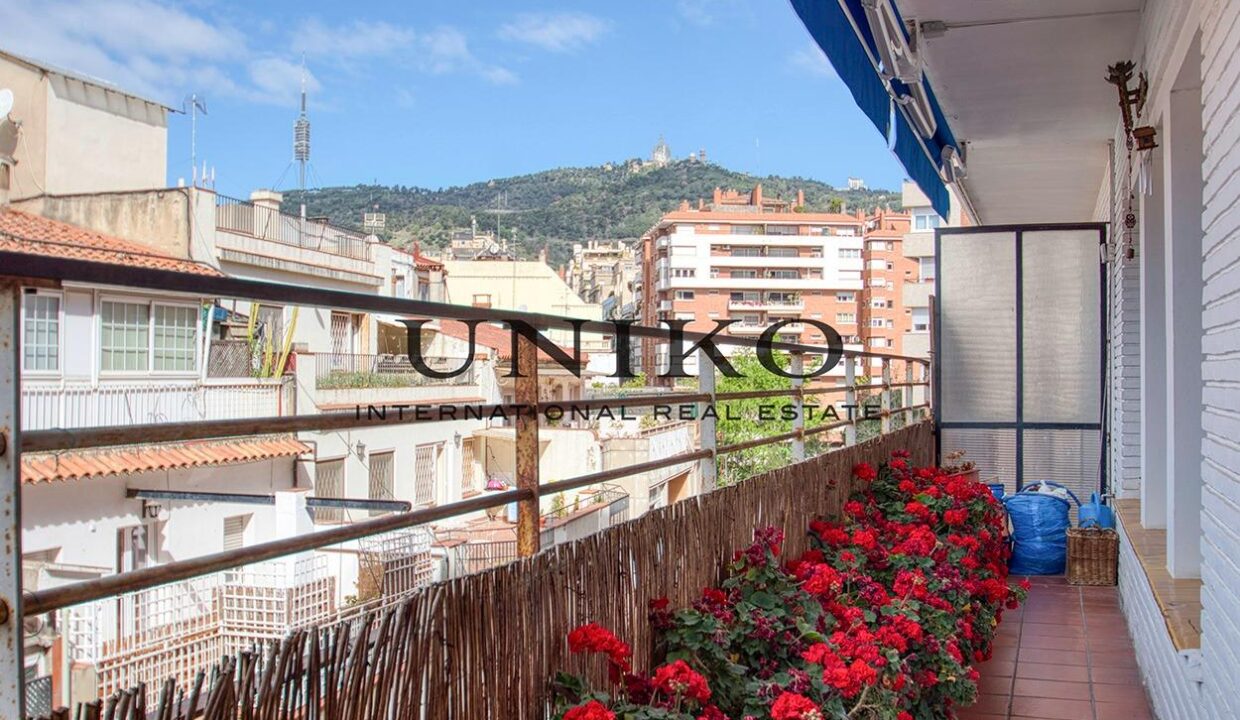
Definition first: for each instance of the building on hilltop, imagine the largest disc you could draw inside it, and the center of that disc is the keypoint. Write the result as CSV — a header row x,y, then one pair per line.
x,y
661,155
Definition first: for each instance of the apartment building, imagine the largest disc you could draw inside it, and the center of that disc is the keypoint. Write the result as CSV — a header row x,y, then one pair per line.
x,y
754,260
918,249
883,318
602,269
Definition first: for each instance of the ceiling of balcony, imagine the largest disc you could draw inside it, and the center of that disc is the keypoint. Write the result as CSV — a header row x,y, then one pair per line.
x,y
1024,84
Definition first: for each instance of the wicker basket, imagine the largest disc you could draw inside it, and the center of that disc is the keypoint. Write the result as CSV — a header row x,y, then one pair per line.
x,y
1093,556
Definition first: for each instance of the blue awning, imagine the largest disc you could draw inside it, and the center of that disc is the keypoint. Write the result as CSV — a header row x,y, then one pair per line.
x,y
842,30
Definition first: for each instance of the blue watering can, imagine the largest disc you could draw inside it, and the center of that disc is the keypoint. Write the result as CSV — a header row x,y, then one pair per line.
x,y
1095,514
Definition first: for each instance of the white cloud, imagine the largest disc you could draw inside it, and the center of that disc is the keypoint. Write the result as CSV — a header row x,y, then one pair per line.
x,y
358,39
278,81
446,50
142,46
557,32
696,11
810,60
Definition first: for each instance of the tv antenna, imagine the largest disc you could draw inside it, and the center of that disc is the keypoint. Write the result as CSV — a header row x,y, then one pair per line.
x,y
193,105
301,134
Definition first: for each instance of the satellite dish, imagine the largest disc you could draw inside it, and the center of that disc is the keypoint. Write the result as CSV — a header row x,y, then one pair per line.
x,y
6,103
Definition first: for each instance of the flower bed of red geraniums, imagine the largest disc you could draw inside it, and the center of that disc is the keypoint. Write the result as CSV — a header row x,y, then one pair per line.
x,y
883,618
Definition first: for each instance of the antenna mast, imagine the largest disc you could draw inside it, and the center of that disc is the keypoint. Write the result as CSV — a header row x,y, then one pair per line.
x,y
301,134
194,104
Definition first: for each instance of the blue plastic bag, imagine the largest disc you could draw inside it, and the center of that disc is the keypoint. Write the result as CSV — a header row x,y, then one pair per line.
x,y
1039,533
1095,514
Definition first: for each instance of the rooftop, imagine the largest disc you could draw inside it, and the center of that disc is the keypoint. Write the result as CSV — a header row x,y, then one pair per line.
x,y
24,232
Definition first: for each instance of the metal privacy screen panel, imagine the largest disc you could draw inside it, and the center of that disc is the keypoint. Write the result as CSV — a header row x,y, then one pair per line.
x,y
1018,333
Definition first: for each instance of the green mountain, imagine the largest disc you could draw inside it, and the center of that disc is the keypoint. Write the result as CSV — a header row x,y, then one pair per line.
x,y
562,206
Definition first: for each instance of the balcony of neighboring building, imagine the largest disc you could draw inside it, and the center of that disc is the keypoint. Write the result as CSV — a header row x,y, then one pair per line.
x,y
758,301
256,235
917,294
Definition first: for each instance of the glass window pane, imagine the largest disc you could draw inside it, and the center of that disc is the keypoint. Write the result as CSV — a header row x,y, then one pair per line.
x,y
125,336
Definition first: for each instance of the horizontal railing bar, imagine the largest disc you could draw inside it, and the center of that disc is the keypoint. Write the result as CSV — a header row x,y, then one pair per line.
x,y
910,384
824,390
54,439
749,394
134,276
824,428
258,499
605,475
42,601
758,442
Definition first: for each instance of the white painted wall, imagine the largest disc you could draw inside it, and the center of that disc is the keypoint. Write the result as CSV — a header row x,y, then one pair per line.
x,y
82,517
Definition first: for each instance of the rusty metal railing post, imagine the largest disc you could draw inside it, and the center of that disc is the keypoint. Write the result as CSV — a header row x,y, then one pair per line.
x,y
797,368
884,399
708,428
12,669
850,399
526,396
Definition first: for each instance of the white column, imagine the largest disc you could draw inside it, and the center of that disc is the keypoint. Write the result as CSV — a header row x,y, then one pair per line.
x,y
12,700
797,367
707,426
1152,252
1184,288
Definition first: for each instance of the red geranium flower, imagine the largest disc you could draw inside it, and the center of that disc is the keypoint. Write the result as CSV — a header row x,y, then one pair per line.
x,y
865,471
678,679
594,638
593,710
790,706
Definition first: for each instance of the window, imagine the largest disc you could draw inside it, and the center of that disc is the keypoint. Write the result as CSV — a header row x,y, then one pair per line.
x,y
925,220
126,337
424,457
684,272
878,303
782,252
921,320
846,318
175,346
234,531
876,322
714,272
147,337
40,332
467,465
849,253
783,274
482,300
878,265
744,274
684,295
382,478
746,230
329,483
880,342
845,297
877,282
783,230
745,297
891,266
746,252
926,268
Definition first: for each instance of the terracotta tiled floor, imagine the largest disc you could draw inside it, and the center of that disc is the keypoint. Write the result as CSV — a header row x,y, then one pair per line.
x,y
1065,655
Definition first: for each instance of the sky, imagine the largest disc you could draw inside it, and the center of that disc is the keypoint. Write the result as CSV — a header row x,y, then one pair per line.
x,y
433,94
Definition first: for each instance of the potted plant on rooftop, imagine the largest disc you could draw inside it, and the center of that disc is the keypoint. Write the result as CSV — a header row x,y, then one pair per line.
x,y
956,465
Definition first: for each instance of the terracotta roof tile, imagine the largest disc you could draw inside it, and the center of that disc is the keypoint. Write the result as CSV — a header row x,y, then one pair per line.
x,y
80,464
25,232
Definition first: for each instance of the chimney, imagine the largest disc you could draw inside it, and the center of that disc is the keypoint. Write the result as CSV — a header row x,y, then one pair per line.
x,y
701,204
718,195
800,198
542,255
684,205
755,198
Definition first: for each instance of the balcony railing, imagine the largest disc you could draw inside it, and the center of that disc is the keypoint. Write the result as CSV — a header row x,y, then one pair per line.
x,y
767,304
783,497
346,371
79,404
247,218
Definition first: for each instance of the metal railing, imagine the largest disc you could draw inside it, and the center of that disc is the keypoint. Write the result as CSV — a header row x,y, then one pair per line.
x,y
73,403
246,218
348,371
527,409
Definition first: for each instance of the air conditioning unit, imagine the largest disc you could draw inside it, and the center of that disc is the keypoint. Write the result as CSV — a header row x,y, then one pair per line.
x,y
897,53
